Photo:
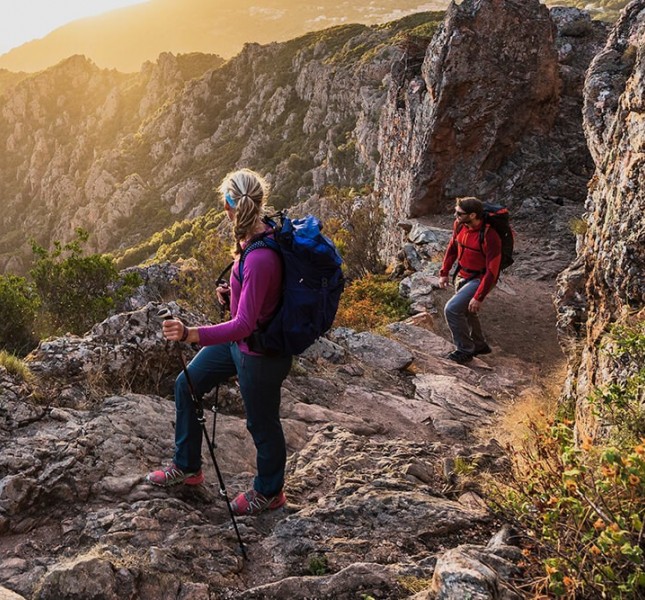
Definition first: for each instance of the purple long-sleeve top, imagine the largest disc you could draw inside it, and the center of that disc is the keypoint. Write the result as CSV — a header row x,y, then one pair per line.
x,y
252,302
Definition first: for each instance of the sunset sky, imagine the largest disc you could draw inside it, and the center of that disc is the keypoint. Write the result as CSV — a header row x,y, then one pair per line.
x,y
26,20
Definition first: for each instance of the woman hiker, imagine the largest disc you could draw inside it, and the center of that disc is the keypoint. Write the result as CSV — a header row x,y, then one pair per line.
x,y
224,353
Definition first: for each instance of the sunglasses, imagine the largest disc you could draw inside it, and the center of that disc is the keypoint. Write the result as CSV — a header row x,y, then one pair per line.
x,y
460,213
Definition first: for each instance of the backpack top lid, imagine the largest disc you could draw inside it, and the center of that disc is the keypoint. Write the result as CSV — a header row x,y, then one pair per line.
x,y
495,211
305,236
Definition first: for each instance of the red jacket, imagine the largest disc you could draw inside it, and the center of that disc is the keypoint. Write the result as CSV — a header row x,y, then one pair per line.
x,y
465,248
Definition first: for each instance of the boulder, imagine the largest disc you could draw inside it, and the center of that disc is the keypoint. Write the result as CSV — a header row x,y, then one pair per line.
x,y
126,351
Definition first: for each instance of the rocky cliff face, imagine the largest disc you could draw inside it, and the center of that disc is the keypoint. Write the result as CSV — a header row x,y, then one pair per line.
x,y
57,128
494,111
606,285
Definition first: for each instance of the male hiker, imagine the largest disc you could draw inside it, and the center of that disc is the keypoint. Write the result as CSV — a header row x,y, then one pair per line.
x,y
478,266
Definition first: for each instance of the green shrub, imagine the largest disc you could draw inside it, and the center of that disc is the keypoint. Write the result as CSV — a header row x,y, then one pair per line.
x,y
371,302
15,366
582,503
77,291
621,403
585,508
413,584
578,226
19,303
317,565
355,228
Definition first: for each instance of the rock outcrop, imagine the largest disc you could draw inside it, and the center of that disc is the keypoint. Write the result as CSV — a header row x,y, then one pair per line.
x,y
606,286
493,111
124,351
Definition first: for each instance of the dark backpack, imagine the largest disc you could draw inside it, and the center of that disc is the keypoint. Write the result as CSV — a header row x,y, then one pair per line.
x,y
313,282
498,218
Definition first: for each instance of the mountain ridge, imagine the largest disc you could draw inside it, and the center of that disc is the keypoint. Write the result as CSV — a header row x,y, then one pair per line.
x,y
127,37
139,151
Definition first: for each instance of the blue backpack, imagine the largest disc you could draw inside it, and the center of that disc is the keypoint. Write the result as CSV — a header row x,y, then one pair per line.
x,y
313,282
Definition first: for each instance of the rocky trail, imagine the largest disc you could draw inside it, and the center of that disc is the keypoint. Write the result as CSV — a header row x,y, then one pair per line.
x,y
374,425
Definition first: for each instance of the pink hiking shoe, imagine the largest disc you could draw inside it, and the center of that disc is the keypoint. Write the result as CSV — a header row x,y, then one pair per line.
x,y
252,503
173,475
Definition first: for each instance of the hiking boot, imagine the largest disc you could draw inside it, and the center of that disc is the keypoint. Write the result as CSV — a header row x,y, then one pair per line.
x,y
485,349
252,503
173,475
460,357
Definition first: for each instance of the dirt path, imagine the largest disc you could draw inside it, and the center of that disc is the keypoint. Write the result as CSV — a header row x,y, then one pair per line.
x,y
519,320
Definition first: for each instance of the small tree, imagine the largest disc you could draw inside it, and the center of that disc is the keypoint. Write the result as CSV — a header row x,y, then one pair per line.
x,y
19,303
77,291
356,228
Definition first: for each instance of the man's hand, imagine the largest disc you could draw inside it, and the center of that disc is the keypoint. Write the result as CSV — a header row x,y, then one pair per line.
x,y
443,282
474,306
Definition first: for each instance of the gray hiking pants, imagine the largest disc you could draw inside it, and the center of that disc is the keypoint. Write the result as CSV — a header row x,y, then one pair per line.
x,y
464,325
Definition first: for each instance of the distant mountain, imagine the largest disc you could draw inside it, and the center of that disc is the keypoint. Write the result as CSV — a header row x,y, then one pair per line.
x,y
124,39
607,10
8,79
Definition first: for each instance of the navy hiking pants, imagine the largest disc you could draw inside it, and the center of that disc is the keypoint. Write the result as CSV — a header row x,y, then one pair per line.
x,y
260,379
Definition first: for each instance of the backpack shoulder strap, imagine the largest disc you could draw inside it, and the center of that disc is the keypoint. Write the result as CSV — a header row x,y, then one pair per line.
x,y
460,248
483,232
483,235
262,241
220,279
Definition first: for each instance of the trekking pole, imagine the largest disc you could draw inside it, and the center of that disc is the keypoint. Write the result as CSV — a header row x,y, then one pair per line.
x,y
165,315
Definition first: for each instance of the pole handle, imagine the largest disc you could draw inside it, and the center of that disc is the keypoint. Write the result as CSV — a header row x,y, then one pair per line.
x,y
165,314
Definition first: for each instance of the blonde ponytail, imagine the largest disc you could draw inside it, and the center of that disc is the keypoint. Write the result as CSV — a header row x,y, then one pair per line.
x,y
246,192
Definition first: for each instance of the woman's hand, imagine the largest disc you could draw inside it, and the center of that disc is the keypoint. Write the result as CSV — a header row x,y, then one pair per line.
x,y
175,331
223,294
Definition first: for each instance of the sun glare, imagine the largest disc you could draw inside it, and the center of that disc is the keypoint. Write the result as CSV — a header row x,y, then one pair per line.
x,y
21,22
